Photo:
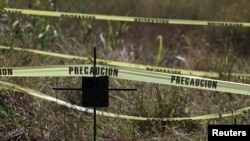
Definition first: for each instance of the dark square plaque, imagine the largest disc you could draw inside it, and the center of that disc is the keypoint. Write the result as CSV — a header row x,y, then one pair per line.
x,y
95,91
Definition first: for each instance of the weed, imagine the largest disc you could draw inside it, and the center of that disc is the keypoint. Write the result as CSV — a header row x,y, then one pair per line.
x,y
160,48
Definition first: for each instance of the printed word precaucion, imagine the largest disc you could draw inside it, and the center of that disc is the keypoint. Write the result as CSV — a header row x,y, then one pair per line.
x,y
6,71
193,82
90,71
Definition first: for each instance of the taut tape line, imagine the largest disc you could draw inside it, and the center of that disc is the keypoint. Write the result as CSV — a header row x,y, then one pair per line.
x,y
123,18
116,63
127,74
14,87
244,77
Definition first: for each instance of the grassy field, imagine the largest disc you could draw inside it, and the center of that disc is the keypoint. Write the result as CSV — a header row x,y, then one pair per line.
x,y
203,48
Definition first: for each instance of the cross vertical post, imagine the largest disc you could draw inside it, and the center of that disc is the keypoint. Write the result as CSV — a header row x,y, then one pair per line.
x,y
94,75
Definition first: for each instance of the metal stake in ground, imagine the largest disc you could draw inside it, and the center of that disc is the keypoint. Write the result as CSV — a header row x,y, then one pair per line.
x,y
95,91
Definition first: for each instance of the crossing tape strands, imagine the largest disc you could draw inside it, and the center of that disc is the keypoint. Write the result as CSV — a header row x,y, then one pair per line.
x,y
14,87
135,74
128,74
241,77
123,18
116,63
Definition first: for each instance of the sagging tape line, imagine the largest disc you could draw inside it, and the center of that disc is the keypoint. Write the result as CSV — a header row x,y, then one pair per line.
x,y
244,77
128,74
14,87
123,18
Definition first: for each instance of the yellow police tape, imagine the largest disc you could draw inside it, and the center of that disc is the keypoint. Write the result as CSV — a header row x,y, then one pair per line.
x,y
14,87
123,18
153,77
236,76
127,74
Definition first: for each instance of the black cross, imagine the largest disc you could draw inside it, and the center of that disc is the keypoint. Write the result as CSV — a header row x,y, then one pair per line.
x,y
95,91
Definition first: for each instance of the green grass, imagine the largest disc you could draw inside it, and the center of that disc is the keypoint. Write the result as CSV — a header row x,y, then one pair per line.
x,y
218,49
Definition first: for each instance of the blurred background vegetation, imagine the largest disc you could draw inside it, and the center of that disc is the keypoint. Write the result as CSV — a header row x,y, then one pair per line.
x,y
217,49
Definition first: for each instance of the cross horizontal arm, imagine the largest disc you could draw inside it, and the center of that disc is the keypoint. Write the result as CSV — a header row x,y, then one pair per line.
x,y
67,88
94,89
122,89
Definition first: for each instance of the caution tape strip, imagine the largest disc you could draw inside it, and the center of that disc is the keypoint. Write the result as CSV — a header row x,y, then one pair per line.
x,y
181,79
14,87
128,74
123,18
245,77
